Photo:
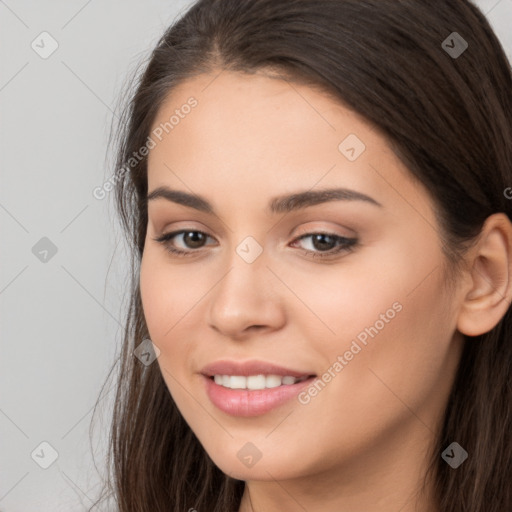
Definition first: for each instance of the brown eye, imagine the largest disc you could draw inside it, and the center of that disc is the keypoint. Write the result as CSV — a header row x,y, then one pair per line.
x,y
326,244
194,239
323,242
190,239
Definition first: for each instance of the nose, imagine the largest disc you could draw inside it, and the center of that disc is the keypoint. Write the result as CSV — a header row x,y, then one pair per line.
x,y
246,300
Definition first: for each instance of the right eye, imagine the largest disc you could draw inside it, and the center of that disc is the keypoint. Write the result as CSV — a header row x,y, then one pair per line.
x,y
192,238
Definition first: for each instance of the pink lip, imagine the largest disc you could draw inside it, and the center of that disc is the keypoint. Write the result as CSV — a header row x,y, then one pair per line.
x,y
250,368
244,402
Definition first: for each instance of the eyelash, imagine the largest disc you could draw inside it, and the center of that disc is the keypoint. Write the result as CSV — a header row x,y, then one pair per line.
x,y
347,244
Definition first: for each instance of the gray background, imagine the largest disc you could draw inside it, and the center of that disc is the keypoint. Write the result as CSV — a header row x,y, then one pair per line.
x,y
60,318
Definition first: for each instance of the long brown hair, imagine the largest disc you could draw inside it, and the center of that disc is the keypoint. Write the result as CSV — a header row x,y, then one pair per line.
x,y
449,119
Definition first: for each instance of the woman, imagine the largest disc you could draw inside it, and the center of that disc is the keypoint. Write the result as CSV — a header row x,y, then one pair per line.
x,y
315,195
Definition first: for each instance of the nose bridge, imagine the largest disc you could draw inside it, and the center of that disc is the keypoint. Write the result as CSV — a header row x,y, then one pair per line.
x,y
243,296
249,250
246,275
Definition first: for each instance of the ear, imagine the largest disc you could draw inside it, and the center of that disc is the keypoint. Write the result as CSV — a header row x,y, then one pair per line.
x,y
489,290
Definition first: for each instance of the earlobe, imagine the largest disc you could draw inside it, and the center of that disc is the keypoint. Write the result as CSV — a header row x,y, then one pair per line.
x,y
490,288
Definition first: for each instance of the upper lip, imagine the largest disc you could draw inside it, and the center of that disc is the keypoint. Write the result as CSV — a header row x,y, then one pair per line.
x,y
246,368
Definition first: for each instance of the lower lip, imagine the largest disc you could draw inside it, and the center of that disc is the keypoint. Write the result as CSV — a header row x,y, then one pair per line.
x,y
245,402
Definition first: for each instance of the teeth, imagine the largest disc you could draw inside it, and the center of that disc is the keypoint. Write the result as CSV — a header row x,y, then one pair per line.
x,y
273,381
237,382
254,382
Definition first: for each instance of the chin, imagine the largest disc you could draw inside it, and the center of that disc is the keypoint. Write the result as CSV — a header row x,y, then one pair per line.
x,y
264,469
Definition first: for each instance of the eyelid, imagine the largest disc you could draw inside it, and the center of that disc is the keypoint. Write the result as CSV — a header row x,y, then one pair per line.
x,y
320,230
165,237
302,231
347,245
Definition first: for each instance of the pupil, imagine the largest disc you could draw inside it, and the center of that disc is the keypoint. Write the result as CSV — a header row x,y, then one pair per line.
x,y
321,238
193,239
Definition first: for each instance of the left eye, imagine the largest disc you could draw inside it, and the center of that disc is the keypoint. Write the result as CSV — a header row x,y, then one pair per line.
x,y
193,239
334,243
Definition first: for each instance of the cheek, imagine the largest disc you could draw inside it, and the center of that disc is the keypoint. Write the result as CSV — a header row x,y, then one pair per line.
x,y
340,302
166,293
417,345
392,323
167,298
397,348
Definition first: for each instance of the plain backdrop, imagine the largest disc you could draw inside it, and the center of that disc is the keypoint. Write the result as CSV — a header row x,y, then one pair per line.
x,y
62,280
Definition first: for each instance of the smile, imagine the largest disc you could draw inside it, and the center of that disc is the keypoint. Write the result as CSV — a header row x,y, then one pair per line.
x,y
254,382
245,401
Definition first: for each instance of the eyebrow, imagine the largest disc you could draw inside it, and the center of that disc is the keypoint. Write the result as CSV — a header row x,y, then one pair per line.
x,y
280,204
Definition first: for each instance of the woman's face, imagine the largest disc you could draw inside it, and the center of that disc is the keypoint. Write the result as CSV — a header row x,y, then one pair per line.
x,y
350,290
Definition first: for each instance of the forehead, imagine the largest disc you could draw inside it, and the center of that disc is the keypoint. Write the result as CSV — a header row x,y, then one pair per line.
x,y
251,109
265,135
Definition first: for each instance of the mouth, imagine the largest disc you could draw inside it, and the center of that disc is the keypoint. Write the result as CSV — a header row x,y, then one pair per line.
x,y
256,382
252,388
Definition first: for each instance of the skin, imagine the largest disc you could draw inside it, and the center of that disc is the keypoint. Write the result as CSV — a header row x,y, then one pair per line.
x,y
362,442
